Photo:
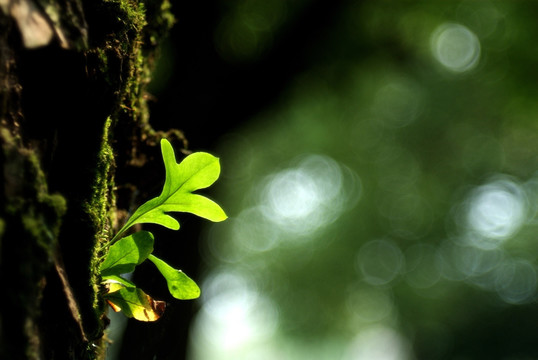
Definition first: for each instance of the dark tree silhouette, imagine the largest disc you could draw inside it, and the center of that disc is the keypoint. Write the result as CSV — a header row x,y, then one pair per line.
x,y
73,114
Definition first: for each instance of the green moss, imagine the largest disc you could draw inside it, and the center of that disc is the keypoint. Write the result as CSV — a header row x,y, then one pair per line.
x,y
29,229
44,220
125,36
160,20
101,202
41,218
56,202
125,62
102,61
134,13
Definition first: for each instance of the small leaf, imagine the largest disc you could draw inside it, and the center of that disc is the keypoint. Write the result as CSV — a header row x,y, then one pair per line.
x,y
113,287
180,285
196,171
136,304
116,279
126,253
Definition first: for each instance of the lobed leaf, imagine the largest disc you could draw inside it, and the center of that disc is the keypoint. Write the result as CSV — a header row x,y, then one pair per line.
x,y
126,253
136,304
180,285
197,171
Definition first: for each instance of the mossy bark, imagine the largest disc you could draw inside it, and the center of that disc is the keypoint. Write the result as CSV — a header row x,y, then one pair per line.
x,y
72,112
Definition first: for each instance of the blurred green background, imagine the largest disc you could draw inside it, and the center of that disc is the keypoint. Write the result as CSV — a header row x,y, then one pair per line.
x,y
379,170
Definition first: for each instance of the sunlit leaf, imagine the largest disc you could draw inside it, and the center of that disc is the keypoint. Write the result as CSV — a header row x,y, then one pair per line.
x,y
113,285
116,279
196,171
126,253
179,284
136,304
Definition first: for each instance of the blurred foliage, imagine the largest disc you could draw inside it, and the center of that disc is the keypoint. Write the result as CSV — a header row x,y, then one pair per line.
x,y
384,205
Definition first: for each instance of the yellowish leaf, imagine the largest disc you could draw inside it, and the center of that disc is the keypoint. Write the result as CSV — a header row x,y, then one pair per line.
x,y
136,304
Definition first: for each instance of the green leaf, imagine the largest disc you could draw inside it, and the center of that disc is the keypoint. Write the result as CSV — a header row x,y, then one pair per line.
x,y
126,253
180,285
116,279
136,303
196,171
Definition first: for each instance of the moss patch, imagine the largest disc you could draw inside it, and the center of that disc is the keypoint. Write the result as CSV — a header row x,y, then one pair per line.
x,y
100,206
29,226
125,38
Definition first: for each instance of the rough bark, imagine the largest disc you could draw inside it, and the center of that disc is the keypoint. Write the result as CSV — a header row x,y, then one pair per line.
x,y
72,113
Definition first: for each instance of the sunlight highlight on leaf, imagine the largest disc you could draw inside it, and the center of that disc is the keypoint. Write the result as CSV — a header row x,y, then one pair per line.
x,y
117,280
136,304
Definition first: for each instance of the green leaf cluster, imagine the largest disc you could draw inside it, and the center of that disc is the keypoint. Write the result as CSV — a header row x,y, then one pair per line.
x,y
197,171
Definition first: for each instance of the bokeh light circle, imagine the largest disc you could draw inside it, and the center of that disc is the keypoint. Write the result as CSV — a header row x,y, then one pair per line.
x,y
455,47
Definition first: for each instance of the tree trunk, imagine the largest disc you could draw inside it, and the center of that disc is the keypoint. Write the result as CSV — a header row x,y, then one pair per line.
x,y
73,113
